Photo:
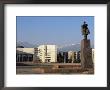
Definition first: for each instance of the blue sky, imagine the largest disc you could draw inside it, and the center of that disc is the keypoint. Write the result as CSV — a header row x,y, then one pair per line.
x,y
58,30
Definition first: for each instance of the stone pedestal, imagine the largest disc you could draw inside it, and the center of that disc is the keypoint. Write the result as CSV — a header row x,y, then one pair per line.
x,y
86,54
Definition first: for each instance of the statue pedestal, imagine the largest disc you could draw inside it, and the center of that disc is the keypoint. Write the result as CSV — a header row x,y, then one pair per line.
x,y
86,54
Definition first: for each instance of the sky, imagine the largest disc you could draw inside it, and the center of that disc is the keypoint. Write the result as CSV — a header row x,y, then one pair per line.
x,y
58,30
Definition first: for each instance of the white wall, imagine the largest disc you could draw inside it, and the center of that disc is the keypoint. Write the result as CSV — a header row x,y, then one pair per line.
x,y
27,50
51,51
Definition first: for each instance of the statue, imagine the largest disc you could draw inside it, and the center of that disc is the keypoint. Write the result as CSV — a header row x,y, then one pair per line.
x,y
86,50
85,30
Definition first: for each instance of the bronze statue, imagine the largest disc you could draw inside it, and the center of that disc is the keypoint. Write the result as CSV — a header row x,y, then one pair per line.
x,y
85,30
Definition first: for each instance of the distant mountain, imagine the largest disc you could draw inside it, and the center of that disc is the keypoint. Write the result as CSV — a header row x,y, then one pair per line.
x,y
64,48
72,47
25,44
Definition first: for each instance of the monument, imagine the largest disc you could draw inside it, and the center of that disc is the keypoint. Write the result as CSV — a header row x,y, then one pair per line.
x,y
86,50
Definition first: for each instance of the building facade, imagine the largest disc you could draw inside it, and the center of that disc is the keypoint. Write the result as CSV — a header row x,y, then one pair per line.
x,y
74,56
47,53
65,57
24,54
71,56
36,58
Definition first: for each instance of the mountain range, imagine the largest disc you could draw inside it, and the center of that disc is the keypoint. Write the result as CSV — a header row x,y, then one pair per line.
x,y
25,44
72,47
64,48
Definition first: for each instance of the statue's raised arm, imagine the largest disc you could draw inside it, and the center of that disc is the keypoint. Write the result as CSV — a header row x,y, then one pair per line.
x,y
85,30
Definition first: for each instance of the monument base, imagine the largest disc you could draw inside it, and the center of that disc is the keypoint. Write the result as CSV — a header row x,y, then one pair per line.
x,y
86,54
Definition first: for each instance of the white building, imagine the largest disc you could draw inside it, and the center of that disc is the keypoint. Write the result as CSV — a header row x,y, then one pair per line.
x,y
27,50
47,53
24,54
74,56
71,55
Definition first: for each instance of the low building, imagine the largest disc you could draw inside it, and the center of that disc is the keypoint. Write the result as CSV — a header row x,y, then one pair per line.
x,y
24,54
27,50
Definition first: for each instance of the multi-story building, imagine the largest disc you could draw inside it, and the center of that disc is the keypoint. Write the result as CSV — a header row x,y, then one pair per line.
x,y
47,53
